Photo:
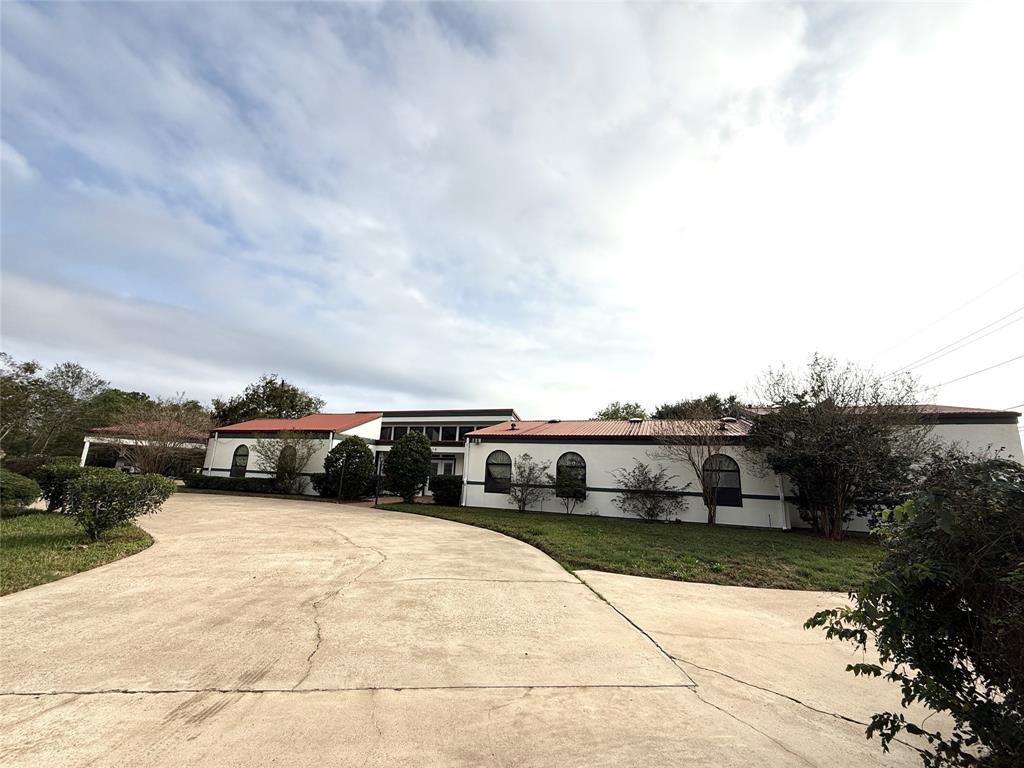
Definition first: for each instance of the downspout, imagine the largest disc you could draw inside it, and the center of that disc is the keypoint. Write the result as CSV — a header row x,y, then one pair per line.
x,y
213,455
784,518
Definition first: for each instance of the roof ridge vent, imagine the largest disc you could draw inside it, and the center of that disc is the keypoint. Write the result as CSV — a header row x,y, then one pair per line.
x,y
554,421
729,419
512,426
635,420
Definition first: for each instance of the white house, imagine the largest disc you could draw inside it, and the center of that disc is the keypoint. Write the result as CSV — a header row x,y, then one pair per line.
x,y
229,451
746,496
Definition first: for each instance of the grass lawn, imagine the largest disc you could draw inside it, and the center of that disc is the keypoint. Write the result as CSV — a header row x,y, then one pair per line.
x,y
37,548
683,551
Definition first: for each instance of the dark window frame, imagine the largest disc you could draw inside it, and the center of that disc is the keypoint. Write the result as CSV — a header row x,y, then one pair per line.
x,y
238,469
563,465
449,430
725,495
493,483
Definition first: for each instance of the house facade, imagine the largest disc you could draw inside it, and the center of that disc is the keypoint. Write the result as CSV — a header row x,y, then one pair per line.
x,y
747,494
229,452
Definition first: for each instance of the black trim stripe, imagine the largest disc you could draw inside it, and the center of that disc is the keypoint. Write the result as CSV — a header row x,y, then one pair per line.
x,y
598,489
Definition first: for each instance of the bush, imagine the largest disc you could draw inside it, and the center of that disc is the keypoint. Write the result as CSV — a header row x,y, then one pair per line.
x,y
946,611
101,499
648,493
447,489
244,484
23,465
53,482
16,492
408,465
356,458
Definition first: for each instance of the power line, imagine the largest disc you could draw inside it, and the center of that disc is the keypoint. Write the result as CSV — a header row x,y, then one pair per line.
x,y
1013,407
975,373
952,311
936,354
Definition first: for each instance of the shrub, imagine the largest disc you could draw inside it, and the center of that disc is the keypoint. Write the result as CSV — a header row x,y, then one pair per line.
x,y
53,482
447,489
570,489
531,483
16,492
101,499
23,465
648,493
349,463
408,465
946,611
244,484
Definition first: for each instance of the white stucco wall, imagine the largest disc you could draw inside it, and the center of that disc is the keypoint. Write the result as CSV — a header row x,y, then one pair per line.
x,y
762,506
982,437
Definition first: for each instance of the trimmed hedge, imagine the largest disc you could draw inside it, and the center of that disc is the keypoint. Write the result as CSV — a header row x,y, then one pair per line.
x,y
245,484
447,489
101,499
53,482
16,492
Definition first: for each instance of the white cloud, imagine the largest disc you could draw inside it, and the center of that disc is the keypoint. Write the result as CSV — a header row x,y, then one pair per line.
x,y
540,206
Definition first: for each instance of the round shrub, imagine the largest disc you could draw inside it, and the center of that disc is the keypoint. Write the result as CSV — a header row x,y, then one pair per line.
x,y
16,491
350,465
447,489
53,482
101,499
408,465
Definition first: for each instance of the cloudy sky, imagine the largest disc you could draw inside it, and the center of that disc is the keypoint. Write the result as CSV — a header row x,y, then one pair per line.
x,y
547,206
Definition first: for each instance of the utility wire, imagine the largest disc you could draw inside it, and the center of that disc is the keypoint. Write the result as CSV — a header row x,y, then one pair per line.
x,y
975,373
1012,407
942,351
952,311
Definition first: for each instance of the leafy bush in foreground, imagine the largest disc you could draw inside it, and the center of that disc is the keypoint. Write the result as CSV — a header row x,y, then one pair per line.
x,y
447,489
16,491
101,499
54,480
946,611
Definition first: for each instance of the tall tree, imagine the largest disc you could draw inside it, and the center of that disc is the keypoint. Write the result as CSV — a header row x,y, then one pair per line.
x,y
159,432
348,470
620,412
710,406
847,438
407,466
286,456
271,397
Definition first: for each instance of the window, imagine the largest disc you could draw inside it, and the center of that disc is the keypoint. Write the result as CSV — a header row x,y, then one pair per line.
x,y
385,433
239,461
418,430
571,464
400,432
463,431
434,433
723,474
498,473
449,434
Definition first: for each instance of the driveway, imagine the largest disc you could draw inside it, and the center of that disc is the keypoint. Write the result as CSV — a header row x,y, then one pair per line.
x,y
259,632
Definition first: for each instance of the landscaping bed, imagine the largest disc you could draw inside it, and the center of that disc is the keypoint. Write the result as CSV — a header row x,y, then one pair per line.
x,y
683,551
39,547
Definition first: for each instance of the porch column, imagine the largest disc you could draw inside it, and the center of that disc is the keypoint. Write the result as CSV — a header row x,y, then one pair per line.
x,y
85,452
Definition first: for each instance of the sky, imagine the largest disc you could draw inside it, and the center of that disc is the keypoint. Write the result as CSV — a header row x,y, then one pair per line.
x,y
543,206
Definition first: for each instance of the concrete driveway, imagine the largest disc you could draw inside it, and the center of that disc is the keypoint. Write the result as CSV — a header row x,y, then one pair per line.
x,y
258,632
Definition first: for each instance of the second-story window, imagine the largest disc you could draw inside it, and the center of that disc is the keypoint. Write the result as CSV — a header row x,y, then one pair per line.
x,y
399,432
434,433
385,433
449,433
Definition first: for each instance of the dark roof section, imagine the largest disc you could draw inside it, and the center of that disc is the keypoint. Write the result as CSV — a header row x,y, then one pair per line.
x,y
645,430
135,428
317,422
507,413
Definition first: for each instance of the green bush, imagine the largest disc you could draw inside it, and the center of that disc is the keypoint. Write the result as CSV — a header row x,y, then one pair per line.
x,y
23,465
244,484
357,480
408,465
16,492
53,482
101,499
447,489
946,612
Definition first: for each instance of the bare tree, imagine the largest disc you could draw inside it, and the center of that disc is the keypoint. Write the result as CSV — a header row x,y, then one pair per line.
x,y
531,482
156,434
286,456
693,443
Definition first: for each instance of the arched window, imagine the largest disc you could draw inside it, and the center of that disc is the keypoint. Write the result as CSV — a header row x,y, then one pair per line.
x,y
286,461
498,473
239,461
570,465
722,473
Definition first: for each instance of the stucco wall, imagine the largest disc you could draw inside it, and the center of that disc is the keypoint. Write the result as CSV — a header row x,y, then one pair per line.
x,y
761,504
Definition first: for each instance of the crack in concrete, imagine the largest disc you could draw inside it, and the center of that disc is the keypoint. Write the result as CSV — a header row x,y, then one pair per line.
x,y
353,689
754,728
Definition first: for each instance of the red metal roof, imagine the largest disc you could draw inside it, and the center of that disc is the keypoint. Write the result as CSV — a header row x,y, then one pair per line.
x,y
317,422
134,429
596,429
930,409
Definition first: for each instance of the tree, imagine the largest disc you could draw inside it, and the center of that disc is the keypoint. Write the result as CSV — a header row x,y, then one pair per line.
x,y
157,433
570,488
620,412
530,483
271,397
945,609
348,470
286,456
847,438
708,407
18,385
100,499
648,493
408,465
695,443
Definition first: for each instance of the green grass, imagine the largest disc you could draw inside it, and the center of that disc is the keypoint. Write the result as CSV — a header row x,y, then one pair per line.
x,y
682,551
41,547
